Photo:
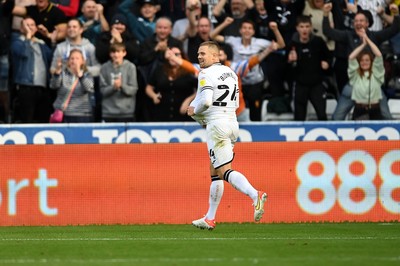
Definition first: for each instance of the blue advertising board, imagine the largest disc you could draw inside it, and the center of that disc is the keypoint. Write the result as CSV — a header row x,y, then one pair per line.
x,y
116,133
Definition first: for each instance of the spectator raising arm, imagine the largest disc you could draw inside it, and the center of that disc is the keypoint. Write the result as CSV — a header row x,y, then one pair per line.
x,y
215,34
101,18
219,7
279,39
191,30
70,10
394,9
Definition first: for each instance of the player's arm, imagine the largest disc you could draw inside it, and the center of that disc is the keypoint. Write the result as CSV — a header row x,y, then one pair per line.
x,y
204,100
186,103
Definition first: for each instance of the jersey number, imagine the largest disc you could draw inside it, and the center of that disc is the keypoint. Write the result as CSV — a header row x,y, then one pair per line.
x,y
221,100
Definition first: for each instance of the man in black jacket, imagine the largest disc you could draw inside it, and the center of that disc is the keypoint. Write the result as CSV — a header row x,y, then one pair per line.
x,y
310,57
284,13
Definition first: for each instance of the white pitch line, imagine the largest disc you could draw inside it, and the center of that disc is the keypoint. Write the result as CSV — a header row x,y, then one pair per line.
x,y
199,238
187,260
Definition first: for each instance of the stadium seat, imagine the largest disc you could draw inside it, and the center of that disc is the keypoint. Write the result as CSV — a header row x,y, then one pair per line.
x,y
265,116
394,107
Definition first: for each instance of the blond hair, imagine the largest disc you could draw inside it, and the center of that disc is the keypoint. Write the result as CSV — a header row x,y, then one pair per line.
x,y
212,45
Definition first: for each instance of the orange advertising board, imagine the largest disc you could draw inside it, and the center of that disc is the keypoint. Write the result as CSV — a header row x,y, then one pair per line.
x,y
169,183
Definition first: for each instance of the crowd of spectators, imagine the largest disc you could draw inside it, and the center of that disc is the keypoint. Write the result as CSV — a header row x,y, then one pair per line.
x,y
136,60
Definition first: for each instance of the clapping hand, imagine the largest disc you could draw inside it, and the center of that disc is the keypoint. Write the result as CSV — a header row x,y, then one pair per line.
x,y
99,11
77,70
363,36
58,66
118,82
116,36
161,46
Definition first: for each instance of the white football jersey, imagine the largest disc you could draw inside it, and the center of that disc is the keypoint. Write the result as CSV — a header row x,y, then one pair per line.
x,y
223,82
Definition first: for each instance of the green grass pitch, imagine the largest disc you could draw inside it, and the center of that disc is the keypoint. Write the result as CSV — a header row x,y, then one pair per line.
x,y
324,244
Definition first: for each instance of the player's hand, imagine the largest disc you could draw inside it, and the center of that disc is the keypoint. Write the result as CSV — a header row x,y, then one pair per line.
x,y
184,107
190,111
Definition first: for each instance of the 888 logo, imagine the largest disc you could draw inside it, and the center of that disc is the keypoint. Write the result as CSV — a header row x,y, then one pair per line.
x,y
356,189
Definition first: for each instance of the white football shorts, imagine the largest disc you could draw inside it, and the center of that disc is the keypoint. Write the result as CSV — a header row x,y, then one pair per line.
x,y
221,137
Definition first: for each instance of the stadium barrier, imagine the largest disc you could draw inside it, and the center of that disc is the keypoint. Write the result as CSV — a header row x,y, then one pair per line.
x,y
79,184
119,133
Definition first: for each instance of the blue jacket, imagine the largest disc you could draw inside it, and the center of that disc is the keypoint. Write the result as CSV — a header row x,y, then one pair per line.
x,y
23,59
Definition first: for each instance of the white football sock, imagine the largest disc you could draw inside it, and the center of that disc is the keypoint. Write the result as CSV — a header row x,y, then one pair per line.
x,y
216,192
240,182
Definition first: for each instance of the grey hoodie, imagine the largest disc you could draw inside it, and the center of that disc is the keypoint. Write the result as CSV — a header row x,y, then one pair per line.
x,y
118,103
